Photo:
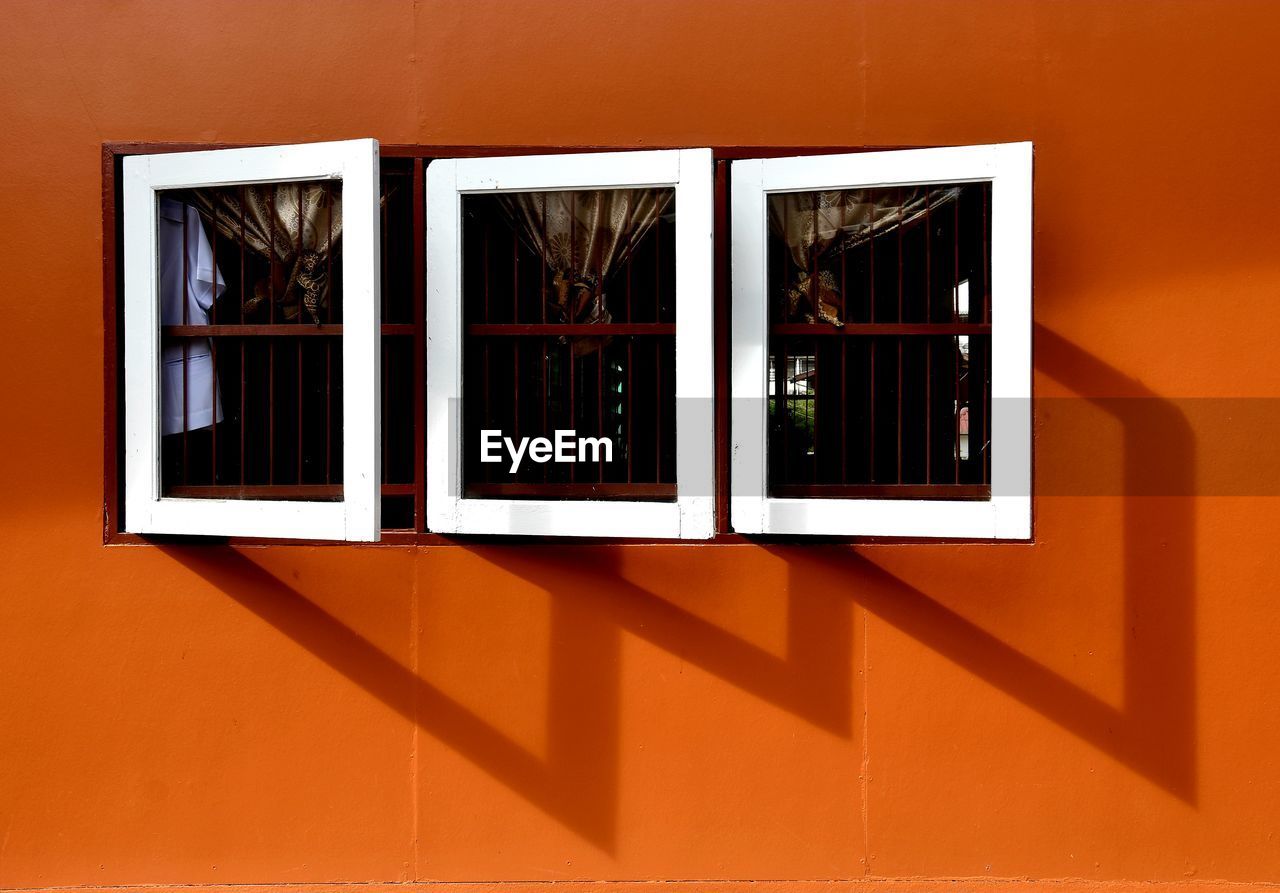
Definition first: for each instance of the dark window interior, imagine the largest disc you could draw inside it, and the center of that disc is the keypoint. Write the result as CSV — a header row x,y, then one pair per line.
x,y
267,422
251,391
571,327
880,343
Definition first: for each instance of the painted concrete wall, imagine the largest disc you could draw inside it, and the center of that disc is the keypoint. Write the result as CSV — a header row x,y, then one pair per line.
x,y
1099,705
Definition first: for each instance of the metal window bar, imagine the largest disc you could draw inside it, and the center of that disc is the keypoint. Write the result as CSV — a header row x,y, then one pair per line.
x,y
612,380
885,405
280,432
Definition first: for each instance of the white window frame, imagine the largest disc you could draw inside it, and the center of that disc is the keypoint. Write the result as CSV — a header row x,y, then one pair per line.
x,y
689,171
1007,515
357,516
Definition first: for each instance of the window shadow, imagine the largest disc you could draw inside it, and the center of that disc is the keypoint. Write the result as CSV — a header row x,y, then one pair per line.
x,y
576,783
1154,731
593,602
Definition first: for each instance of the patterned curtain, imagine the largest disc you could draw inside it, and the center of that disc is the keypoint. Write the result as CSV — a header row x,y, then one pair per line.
x,y
297,224
815,225
583,237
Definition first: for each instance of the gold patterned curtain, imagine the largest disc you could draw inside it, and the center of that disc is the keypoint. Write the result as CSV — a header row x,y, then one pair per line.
x,y
296,224
583,237
815,225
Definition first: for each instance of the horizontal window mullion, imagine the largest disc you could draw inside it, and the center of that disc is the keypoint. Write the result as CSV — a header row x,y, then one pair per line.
x,y
279,330
878,329
555,329
274,491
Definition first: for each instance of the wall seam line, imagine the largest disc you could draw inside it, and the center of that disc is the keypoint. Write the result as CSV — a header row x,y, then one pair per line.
x,y
866,747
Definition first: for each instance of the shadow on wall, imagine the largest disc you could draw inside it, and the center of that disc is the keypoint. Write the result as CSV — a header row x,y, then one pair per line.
x,y
577,783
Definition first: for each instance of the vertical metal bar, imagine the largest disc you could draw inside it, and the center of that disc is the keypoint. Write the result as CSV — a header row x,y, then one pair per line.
x,y
782,401
986,414
657,363
298,475
515,318
572,317
844,407
242,279
573,409
300,402
955,261
600,408
955,342
213,403
185,341
385,292
871,459
328,254
986,259
271,345
545,362
328,342
899,409
328,410
244,408
811,406
986,317
545,358
928,405
213,359
271,411
626,228
815,297
815,304
385,362
487,416
657,268
871,263
902,224
928,256
628,396
844,286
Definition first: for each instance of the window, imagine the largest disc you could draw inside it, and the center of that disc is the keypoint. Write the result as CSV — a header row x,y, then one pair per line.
x,y
881,338
569,320
345,342
251,342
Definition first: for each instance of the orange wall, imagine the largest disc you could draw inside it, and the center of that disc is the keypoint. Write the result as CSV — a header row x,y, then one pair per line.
x,y
1099,705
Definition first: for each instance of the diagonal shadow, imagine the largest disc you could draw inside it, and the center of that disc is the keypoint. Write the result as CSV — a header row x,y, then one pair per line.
x,y
1154,732
812,680
577,782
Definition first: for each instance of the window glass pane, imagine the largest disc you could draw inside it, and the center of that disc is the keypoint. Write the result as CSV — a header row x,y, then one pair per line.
x,y
251,321
879,342
569,331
